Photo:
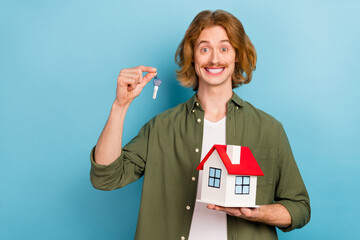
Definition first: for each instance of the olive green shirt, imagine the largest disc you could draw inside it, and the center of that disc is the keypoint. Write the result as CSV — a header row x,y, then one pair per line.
x,y
164,153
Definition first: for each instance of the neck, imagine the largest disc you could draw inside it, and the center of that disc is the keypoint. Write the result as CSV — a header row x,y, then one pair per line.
x,y
213,101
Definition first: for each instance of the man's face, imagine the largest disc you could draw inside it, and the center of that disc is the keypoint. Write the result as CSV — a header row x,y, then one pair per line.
x,y
214,57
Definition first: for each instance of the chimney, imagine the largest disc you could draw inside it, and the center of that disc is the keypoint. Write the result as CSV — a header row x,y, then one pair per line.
x,y
233,152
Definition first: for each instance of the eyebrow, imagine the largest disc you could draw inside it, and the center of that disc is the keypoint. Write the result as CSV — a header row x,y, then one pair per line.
x,y
209,42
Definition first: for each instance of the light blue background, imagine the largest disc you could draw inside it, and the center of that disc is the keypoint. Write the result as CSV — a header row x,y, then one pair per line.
x,y
59,61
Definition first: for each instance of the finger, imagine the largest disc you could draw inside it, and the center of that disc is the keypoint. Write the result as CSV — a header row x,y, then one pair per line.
x,y
141,68
219,208
129,70
147,69
124,76
234,212
128,74
223,209
147,78
249,212
129,83
245,211
229,210
125,73
211,206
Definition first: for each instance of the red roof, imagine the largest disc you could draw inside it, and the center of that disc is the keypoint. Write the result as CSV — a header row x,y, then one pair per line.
x,y
247,166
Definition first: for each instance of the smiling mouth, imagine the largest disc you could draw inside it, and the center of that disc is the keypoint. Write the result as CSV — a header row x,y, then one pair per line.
x,y
214,70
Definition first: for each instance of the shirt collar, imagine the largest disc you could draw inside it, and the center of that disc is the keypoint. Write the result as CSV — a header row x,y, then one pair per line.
x,y
237,100
194,103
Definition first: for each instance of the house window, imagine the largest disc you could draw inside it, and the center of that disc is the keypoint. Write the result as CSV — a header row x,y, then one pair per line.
x,y
242,185
214,177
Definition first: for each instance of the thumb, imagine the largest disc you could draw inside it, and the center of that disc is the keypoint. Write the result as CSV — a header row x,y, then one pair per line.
x,y
147,78
246,211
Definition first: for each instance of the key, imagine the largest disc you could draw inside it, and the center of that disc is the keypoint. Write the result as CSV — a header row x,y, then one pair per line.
x,y
157,83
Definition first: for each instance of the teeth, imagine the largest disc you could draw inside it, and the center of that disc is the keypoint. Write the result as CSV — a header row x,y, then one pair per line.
x,y
214,70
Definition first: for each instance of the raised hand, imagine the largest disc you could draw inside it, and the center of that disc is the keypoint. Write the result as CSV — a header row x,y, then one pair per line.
x,y
130,83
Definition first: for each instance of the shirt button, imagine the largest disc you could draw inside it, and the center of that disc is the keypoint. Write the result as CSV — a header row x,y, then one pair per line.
x,y
197,104
193,178
196,150
237,107
198,120
187,207
182,238
193,110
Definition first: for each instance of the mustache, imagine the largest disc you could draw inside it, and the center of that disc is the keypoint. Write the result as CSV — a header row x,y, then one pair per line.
x,y
215,65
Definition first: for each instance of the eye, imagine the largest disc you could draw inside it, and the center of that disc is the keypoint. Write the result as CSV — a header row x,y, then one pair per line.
x,y
224,49
204,50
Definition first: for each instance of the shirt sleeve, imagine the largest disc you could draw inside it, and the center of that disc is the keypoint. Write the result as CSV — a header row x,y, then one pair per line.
x,y
127,168
291,191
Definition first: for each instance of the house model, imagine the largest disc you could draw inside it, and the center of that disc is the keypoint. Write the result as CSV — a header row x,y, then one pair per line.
x,y
229,176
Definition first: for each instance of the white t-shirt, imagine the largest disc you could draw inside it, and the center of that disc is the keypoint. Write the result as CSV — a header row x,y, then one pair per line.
x,y
209,224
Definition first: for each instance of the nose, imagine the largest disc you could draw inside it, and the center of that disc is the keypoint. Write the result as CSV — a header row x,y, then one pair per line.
x,y
215,57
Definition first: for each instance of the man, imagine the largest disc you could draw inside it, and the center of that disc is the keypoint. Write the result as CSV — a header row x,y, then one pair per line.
x,y
214,57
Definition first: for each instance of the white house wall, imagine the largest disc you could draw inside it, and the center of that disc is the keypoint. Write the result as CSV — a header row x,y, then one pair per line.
x,y
240,200
210,194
